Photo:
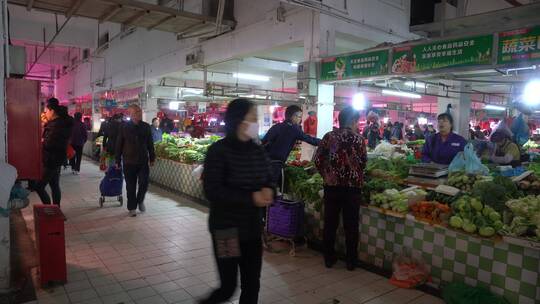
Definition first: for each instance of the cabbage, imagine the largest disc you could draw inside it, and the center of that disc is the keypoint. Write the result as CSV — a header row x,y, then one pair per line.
x,y
469,227
486,231
456,221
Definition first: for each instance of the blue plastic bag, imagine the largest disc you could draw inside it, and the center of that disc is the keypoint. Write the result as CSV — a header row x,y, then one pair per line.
x,y
473,165
468,161
458,163
520,129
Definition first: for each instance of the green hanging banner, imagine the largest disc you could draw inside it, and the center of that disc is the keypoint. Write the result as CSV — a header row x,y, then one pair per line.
x,y
518,46
461,52
355,66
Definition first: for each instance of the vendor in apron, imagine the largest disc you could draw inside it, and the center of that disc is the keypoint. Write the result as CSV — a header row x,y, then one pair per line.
x,y
442,147
506,152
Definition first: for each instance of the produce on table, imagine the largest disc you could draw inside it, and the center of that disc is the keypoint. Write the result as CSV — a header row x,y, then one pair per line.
x,y
297,163
441,197
389,150
462,181
531,184
525,221
304,186
431,211
535,166
396,168
391,199
418,142
495,193
377,185
472,216
185,150
530,144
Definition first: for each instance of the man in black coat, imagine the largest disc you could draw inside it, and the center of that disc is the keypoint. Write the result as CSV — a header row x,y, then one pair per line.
x,y
135,149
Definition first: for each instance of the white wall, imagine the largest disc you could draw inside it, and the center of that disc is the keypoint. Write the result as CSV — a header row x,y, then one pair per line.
x,y
29,26
384,20
147,55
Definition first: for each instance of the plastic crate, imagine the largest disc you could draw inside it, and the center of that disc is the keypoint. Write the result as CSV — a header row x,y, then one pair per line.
x,y
286,218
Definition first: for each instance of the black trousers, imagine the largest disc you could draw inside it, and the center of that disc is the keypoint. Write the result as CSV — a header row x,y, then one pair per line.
x,y
276,167
338,201
51,177
75,162
136,174
250,264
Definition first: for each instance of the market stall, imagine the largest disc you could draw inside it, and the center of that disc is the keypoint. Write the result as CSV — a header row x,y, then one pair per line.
x,y
478,228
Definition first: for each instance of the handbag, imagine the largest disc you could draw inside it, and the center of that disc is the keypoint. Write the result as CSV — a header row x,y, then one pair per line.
x,y
70,152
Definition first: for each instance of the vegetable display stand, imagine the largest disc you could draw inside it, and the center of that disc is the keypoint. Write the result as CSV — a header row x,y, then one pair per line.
x,y
177,177
507,269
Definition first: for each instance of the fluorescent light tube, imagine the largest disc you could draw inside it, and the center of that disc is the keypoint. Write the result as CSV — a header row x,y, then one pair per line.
x,y
419,85
401,94
494,108
251,77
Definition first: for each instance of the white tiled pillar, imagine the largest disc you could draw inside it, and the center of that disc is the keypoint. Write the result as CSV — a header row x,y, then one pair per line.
x,y
461,109
325,109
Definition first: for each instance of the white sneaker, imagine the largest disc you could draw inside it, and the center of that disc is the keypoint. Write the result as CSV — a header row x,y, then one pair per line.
x,y
132,213
142,207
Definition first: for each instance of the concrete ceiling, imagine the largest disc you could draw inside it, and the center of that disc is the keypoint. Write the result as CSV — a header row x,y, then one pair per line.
x,y
131,13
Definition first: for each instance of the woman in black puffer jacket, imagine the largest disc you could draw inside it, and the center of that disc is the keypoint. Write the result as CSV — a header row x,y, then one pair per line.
x,y
56,135
237,182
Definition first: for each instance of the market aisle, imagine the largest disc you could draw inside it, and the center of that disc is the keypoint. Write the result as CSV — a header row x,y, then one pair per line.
x,y
164,256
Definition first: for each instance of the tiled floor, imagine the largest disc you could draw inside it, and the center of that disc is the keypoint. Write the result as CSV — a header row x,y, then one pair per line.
x,y
164,256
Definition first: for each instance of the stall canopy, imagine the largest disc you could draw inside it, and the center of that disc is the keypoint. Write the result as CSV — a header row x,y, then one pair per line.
x,y
495,69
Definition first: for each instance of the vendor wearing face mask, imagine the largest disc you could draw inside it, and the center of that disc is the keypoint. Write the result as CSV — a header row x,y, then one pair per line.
x,y
506,152
442,147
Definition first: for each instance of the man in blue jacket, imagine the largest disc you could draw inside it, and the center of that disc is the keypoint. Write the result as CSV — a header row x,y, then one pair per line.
x,y
281,138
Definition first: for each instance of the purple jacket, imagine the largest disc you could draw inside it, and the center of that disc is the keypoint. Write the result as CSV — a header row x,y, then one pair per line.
x,y
437,151
78,134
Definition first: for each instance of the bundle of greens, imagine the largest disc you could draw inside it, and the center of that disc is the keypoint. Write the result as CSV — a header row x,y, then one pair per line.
x,y
393,168
185,150
495,193
440,197
525,219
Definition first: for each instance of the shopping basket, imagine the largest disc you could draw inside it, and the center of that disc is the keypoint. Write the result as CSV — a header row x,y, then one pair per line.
x,y
285,221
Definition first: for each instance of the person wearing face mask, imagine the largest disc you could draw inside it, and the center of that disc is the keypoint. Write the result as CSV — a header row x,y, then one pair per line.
x,y
341,159
238,184
281,138
135,150
442,147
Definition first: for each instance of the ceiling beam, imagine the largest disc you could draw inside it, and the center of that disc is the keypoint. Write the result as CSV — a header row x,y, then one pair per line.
x,y
109,14
138,16
29,5
514,2
74,8
191,28
160,22
166,10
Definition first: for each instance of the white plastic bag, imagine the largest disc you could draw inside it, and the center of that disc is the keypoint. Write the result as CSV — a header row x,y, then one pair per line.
x,y
198,171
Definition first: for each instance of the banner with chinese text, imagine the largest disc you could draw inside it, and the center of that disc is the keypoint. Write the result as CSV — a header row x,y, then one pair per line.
x,y
443,54
519,45
355,66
